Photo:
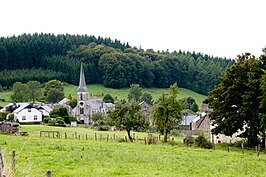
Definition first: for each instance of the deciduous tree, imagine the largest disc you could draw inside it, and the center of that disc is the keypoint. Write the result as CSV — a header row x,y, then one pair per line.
x,y
167,113
128,116
34,90
236,100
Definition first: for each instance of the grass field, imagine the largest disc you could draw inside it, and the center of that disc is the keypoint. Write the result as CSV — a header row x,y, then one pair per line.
x,y
73,157
97,91
100,90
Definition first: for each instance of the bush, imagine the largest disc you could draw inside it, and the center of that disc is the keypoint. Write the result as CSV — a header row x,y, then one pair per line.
x,y
189,140
174,132
121,140
103,128
10,117
201,141
46,120
3,116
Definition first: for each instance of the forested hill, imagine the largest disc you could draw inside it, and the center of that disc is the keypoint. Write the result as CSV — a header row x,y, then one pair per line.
x,y
47,56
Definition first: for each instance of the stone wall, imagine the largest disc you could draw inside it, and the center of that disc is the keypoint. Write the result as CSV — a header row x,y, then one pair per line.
x,y
10,128
189,132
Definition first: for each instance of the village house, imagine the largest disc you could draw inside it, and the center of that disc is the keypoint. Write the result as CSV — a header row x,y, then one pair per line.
x,y
146,109
27,112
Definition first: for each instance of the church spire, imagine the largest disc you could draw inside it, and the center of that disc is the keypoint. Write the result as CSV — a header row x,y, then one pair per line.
x,y
82,83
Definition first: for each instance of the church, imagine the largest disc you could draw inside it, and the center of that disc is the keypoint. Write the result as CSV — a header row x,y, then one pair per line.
x,y
85,107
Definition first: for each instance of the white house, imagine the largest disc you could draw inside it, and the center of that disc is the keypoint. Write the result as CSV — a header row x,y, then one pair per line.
x,y
27,113
45,110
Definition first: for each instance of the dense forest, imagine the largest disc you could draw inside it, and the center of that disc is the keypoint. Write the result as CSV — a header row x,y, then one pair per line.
x,y
43,57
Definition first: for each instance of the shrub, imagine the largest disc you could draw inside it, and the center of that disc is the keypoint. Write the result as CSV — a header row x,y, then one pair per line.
x,y
46,119
104,128
189,140
10,117
201,141
3,116
120,140
174,132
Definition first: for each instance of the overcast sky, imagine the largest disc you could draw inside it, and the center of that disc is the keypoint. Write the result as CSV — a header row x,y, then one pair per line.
x,y
224,28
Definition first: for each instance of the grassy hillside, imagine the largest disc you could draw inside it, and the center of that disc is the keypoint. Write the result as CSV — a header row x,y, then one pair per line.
x,y
99,90
73,157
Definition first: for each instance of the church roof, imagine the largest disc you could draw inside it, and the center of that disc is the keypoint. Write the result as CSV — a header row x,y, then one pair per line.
x,y
82,84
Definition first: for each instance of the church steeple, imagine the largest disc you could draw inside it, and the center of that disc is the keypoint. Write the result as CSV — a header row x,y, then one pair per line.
x,y
82,84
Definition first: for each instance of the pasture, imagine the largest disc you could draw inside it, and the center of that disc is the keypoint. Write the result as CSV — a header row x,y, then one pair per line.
x,y
74,157
98,91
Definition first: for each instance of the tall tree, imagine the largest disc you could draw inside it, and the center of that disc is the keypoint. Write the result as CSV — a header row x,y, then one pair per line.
x,y
53,91
147,97
134,93
54,95
20,92
167,113
236,100
128,116
108,99
34,90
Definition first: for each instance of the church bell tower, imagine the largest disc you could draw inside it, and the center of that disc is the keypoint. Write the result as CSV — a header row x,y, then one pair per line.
x,y
82,98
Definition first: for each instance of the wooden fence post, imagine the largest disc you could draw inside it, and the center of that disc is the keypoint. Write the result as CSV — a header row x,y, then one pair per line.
x,y
258,150
242,146
76,135
86,137
107,137
137,139
95,136
1,163
173,141
48,173
65,135
100,137
228,148
145,140
13,161
116,137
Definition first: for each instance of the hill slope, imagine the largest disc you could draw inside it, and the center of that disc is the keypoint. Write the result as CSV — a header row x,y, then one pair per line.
x,y
97,90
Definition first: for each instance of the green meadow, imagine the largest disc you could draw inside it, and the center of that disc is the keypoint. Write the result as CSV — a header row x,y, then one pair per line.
x,y
80,157
98,91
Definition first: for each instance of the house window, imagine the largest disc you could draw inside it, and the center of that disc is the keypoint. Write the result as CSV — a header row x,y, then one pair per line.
x,y
35,117
29,110
81,110
23,117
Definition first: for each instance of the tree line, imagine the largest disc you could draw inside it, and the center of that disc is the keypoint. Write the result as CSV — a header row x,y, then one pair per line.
x,y
108,62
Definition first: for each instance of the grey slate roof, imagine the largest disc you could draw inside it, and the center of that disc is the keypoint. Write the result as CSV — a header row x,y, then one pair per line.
x,y
82,84
186,120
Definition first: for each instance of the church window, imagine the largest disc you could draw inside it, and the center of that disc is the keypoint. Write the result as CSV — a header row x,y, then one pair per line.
x,y
81,110
81,97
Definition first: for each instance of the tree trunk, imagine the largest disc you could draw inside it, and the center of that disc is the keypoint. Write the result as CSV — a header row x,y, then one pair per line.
x,y
129,136
165,134
263,143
